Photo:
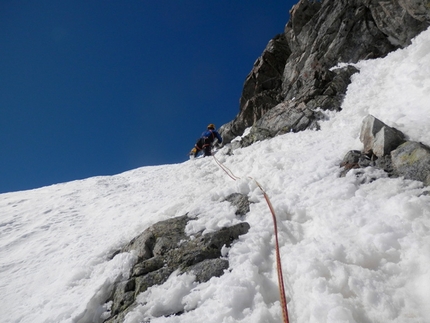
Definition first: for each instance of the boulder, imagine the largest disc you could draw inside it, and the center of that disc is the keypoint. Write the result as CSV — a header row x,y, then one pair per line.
x,y
385,148
378,138
412,161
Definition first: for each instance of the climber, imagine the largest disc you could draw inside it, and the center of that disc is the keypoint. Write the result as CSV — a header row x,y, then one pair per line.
x,y
205,141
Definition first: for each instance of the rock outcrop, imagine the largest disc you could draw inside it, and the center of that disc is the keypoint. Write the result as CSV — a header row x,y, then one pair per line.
x,y
412,161
387,149
296,77
262,88
165,248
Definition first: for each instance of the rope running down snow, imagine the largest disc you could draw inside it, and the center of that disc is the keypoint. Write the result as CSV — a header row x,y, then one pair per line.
x,y
278,256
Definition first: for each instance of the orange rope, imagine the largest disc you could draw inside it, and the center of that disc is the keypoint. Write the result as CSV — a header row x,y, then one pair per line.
x,y
278,255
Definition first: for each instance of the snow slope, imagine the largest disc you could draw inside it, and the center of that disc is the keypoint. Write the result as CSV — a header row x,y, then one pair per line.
x,y
353,250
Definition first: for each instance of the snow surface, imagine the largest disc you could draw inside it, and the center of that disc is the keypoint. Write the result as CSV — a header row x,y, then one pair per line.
x,y
353,250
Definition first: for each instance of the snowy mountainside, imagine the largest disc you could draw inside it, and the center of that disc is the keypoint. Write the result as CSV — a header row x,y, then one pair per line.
x,y
353,250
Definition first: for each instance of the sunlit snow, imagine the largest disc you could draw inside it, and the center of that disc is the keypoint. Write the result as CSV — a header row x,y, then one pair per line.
x,y
353,250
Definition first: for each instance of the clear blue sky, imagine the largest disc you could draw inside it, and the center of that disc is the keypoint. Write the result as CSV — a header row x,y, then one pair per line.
x,y
92,88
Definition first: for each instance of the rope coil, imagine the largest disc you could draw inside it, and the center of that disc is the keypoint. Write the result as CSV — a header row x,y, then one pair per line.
x,y
283,298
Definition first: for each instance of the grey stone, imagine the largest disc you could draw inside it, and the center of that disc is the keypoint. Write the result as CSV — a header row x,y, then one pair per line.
x,y
225,236
209,268
142,245
152,278
240,201
378,138
400,20
412,160
352,157
164,248
350,161
385,163
123,296
147,266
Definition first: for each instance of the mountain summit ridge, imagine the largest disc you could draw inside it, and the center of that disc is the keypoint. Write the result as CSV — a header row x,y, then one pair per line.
x,y
294,78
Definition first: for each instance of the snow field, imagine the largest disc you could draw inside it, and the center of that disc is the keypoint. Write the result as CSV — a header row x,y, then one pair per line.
x,y
353,249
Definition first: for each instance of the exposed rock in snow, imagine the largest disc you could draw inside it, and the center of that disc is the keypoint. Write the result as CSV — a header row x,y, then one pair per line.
x,y
165,248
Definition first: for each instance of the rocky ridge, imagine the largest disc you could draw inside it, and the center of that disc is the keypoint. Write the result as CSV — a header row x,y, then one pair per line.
x,y
295,78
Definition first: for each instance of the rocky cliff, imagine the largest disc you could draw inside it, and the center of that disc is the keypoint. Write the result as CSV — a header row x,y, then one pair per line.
x,y
295,77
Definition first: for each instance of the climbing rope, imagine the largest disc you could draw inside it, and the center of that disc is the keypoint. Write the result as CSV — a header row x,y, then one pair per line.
x,y
278,254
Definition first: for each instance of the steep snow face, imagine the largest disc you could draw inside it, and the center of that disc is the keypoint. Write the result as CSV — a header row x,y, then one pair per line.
x,y
353,249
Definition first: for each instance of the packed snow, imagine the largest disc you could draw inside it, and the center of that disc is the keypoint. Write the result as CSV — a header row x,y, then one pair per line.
x,y
353,249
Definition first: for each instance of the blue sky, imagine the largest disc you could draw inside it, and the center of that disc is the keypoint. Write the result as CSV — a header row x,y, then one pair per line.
x,y
92,88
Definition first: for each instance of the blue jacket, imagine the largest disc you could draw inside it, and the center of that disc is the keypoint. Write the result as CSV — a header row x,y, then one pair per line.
x,y
211,135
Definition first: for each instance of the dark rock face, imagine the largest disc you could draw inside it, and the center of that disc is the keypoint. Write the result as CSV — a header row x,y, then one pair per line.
x,y
165,248
400,20
262,87
385,148
418,9
295,76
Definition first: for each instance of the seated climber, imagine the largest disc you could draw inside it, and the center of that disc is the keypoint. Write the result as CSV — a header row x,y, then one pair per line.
x,y
205,142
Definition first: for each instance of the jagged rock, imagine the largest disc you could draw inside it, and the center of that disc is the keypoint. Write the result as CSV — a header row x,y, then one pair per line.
x,y
418,9
337,31
155,238
412,160
123,296
301,14
400,20
165,248
287,117
378,138
256,134
240,201
319,36
261,89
